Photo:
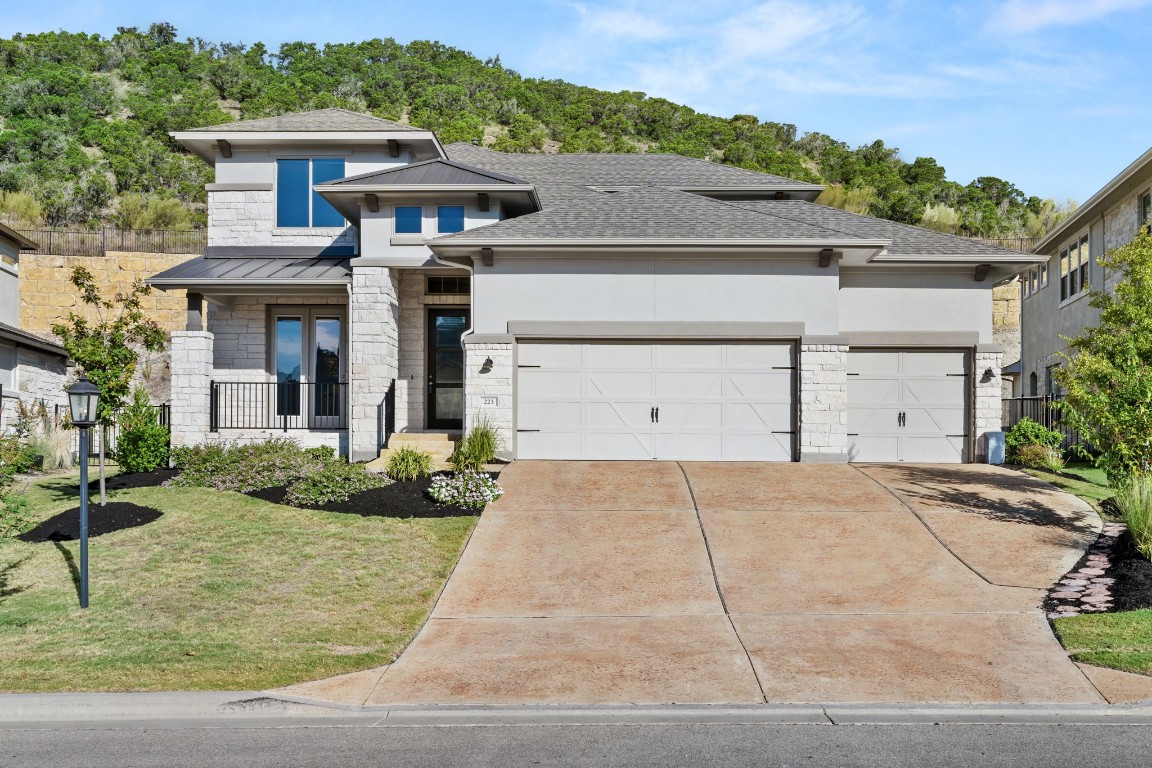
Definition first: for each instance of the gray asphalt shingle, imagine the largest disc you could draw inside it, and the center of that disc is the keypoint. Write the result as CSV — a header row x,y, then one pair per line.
x,y
429,172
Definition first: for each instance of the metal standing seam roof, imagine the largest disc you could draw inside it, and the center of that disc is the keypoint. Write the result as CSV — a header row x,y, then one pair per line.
x,y
431,172
332,119
258,268
647,169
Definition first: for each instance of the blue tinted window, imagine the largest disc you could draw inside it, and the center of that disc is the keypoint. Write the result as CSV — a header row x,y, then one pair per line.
x,y
450,218
408,220
326,169
292,193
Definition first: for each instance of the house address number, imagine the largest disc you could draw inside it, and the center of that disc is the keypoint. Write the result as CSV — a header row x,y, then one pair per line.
x,y
489,402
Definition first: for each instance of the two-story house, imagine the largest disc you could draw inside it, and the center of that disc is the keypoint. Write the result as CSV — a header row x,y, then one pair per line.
x,y
1054,293
361,279
32,368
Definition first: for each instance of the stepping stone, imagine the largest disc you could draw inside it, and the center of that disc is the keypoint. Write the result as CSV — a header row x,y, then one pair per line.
x,y
1091,572
1075,582
1096,599
1103,581
1065,595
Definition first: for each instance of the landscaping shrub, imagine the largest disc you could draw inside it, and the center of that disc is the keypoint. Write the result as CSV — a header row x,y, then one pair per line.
x,y
142,445
1134,499
243,466
474,490
1040,456
14,515
1029,432
17,455
45,441
476,450
334,482
409,463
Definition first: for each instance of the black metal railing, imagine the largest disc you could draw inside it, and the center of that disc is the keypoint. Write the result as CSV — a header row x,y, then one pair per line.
x,y
277,405
99,242
1043,409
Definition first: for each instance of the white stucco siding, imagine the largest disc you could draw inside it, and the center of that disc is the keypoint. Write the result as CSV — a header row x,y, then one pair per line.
x,y
259,166
378,229
890,301
702,289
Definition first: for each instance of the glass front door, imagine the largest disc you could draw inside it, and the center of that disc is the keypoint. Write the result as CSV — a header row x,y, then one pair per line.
x,y
446,368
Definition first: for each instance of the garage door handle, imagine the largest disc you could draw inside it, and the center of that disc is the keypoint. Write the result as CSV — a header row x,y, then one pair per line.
x,y
901,419
657,414
652,414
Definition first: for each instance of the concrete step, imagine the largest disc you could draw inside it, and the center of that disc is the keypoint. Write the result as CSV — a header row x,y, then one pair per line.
x,y
424,437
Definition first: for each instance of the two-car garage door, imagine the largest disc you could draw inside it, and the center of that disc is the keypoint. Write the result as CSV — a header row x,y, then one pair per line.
x,y
706,401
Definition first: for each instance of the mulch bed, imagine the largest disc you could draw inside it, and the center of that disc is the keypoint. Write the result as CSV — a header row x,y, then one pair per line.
x,y
1112,576
133,480
113,516
401,499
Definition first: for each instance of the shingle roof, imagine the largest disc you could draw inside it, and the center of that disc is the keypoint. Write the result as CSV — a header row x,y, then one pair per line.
x,y
646,169
644,213
331,119
226,270
906,239
429,172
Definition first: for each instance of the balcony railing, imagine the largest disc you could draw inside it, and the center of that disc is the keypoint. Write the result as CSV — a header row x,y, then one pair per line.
x,y
277,405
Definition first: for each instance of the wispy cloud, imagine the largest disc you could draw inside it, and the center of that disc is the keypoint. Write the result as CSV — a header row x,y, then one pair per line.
x,y
1016,16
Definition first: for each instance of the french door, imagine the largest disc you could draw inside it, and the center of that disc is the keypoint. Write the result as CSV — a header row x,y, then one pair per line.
x,y
309,362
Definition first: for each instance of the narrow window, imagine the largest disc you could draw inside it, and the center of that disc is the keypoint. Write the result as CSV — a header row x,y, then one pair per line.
x,y
1085,261
1145,210
1063,274
327,334
1044,275
1073,270
289,365
326,169
451,285
7,367
409,220
1033,387
449,218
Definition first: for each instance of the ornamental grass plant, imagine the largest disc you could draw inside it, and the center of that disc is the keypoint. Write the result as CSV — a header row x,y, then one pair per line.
x,y
1134,499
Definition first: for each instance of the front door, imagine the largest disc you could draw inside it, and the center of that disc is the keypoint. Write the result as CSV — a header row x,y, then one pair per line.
x,y
446,368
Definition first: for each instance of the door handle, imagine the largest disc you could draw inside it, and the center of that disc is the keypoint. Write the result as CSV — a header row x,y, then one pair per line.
x,y
430,385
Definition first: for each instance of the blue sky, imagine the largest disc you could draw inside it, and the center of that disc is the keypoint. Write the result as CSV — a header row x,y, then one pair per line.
x,y
1053,95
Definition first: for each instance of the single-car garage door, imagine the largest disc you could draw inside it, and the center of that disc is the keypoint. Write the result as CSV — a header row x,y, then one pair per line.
x,y
908,405
706,401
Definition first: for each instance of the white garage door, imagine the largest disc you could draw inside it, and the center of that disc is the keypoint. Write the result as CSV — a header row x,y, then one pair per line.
x,y
906,405
686,401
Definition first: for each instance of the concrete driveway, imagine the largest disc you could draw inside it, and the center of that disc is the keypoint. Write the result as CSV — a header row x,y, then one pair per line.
x,y
662,582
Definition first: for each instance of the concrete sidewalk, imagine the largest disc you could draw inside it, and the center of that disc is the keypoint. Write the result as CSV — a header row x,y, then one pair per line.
x,y
654,583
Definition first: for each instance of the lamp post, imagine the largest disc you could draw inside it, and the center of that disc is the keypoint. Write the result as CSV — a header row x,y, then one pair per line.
x,y
83,400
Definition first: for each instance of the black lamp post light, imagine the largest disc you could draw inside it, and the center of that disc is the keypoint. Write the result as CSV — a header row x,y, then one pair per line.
x,y
83,401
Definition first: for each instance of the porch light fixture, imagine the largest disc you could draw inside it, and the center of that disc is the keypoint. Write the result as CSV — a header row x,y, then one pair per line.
x,y
486,366
83,404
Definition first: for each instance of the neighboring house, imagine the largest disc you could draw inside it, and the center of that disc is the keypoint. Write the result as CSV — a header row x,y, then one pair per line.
x,y
32,368
1055,293
361,280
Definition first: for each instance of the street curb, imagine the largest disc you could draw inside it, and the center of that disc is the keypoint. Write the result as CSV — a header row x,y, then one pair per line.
x,y
238,707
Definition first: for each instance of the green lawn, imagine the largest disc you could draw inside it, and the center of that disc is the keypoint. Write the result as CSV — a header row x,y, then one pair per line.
x,y
1117,640
1083,480
222,592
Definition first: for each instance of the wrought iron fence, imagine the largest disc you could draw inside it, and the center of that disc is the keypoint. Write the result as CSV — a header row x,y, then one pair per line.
x,y
99,242
163,417
1044,409
1021,244
277,405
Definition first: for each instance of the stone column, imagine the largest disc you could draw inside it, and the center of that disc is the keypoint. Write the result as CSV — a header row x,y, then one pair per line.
x,y
823,424
987,395
373,317
488,385
191,379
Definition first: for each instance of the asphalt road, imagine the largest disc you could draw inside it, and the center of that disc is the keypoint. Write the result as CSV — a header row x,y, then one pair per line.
x,y
360,742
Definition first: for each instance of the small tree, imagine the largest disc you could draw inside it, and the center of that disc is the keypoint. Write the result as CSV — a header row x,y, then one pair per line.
x,y
1108,378
106,350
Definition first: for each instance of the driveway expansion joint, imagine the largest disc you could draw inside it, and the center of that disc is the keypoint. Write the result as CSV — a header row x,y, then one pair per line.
x,y
716,581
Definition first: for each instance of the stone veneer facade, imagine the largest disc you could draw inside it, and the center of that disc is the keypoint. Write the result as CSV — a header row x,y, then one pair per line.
x,y
247,218
823,368
989,391
39,377
374,350
488,388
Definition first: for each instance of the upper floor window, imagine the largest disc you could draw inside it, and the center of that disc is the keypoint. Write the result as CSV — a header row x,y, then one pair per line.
x,y
1144,210
297,205
449,218
1035,279
409,219
1074,266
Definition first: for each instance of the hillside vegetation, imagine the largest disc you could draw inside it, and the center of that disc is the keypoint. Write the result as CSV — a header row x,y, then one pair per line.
x,y
85,122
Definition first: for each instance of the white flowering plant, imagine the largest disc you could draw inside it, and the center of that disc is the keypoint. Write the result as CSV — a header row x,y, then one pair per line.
x,y
473,490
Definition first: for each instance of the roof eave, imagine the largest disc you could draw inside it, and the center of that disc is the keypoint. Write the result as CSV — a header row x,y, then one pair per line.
x,y
24,243
459,247
1128,180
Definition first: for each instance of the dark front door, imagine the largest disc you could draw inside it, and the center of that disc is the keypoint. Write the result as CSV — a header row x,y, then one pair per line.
x,y
446,368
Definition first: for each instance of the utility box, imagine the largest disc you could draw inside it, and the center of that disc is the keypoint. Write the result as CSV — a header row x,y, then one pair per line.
x,y
994,447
